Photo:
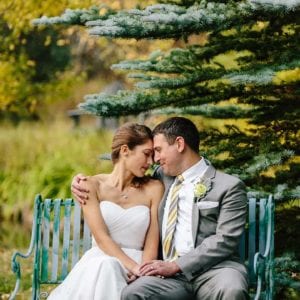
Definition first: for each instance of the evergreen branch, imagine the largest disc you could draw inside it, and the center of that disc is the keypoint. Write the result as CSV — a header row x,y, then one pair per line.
x,y
183,81
177,61
285,267
288,5
171,21
77,16
259,75
262,75
166,8
283,192
134,102
261,45
191,60
210,111
266,160
129,103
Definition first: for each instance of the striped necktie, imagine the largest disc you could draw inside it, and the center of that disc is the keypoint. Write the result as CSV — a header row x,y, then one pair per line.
x,y
169,250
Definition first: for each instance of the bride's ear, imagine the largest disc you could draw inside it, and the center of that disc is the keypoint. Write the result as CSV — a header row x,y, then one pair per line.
x,y
124,150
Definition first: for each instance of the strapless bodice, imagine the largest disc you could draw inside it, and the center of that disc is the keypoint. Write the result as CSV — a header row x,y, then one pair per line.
x,y
127,226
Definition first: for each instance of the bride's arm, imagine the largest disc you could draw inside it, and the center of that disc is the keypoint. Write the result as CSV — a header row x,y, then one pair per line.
x,y
150,252
95,221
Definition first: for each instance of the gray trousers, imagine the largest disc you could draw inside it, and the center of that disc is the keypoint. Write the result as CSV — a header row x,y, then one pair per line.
x,y
215,284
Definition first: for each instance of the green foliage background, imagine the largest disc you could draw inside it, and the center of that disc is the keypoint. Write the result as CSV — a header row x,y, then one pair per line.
x,y
237,79
43,158
39,66
238,62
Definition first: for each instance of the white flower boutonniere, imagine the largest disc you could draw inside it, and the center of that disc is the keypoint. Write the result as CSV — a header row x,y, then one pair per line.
x,y
202,187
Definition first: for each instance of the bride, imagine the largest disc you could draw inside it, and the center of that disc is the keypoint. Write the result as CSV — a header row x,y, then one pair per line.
x,y
122,216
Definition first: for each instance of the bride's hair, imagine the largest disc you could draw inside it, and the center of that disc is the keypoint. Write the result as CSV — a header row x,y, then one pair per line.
x,y
132,135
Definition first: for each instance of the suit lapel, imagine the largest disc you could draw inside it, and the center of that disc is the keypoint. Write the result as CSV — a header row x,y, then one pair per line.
x,y
210,173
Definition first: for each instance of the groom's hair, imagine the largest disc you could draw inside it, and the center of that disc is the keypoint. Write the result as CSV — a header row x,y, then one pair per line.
x,y
179,126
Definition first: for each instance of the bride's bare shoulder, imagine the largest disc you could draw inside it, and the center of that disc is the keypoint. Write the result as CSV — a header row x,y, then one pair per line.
x,y
154,185
101,178
95,181
154,182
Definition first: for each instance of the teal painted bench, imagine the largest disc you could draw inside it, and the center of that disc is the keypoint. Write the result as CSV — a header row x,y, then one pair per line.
x,y
60,237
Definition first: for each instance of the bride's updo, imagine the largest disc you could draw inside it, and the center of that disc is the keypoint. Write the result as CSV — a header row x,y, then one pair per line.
x,y
130,134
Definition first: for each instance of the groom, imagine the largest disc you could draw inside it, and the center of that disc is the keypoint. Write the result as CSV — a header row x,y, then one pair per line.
x,y
201,217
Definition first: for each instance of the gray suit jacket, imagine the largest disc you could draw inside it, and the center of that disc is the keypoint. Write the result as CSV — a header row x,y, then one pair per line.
x,y
216,231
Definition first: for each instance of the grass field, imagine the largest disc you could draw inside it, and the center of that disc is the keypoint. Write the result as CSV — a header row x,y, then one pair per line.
x,y
39,158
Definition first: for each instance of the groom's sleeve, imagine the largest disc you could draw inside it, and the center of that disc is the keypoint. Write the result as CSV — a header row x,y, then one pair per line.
x,y
224,243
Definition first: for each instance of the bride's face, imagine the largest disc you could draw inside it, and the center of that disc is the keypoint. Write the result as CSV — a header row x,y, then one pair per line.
x,y
140,158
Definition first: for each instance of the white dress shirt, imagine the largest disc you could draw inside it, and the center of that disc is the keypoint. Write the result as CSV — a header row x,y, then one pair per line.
x,y
183,232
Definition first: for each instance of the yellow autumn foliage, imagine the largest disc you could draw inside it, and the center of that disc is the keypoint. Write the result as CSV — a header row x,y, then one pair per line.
x,y
287,76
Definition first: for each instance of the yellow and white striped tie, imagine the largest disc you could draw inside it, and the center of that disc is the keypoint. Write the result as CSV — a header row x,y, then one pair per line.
x,y
169,250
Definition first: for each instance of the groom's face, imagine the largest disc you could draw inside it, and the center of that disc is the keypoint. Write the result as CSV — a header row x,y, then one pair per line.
x,y
166,155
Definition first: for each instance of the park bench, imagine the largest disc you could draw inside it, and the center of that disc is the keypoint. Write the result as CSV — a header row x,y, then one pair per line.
x,y
60,237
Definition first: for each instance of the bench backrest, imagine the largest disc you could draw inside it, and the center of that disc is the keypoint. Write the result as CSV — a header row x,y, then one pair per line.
x,y
60,237
257,247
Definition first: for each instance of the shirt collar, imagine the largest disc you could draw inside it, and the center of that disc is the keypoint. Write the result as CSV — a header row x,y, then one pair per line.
x,y
196,170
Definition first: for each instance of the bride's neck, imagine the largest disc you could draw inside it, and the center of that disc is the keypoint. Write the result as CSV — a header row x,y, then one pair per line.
x,y
120,177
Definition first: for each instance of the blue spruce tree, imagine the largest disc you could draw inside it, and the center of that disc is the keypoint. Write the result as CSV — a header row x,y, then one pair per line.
x,y
260,88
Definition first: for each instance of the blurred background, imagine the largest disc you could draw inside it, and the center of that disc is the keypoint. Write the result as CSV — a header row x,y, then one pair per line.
x,y
45,72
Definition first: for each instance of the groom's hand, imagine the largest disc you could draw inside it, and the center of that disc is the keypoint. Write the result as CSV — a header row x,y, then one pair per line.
x,y
159,268
80,194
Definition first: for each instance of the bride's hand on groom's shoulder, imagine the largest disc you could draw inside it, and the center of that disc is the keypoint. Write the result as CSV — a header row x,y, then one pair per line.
x,y
79,193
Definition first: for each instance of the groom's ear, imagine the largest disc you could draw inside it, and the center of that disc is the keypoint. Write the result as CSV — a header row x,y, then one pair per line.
x,y
180,144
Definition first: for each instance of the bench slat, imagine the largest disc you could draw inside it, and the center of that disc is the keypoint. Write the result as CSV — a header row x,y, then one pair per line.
x,y
262,225
86,238
37,244
242,246
55,247
271,286
76,234
252,237
45,244
66,238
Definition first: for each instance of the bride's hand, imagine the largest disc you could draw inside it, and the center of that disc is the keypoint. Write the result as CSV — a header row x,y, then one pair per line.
x,y
136,270
133,273
131,277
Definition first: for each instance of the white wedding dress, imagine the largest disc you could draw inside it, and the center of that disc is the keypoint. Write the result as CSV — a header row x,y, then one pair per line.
x,y
98,276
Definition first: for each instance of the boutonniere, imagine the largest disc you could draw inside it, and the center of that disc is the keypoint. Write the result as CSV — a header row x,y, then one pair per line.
x,y
201,188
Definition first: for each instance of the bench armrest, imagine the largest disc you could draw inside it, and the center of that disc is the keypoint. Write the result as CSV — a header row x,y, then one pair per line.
x,y
263,262
15,265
